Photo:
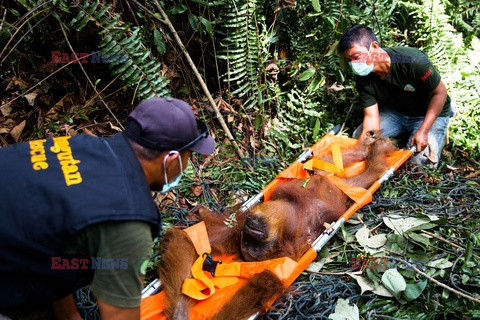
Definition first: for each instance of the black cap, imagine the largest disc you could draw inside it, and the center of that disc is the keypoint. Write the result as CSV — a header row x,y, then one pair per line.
x,y
168,124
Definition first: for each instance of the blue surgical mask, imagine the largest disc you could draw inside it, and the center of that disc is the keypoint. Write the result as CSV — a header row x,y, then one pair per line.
x,y
361,68
168,186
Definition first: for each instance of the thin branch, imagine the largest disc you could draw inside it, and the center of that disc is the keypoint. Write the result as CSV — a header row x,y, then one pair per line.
x,y
446,241
17,31
436,281
88,78
200,79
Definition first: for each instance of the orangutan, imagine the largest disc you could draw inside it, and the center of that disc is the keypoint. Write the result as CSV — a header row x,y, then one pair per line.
x,y
286,225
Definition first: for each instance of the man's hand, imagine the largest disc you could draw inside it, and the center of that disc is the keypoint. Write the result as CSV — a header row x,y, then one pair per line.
x,y
109,312
420,139
435,106
371,119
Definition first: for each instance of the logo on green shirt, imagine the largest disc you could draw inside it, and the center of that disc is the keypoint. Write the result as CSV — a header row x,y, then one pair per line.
x,y
409,88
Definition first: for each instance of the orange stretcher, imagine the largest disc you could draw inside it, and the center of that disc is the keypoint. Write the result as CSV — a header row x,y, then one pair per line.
x,y
234,275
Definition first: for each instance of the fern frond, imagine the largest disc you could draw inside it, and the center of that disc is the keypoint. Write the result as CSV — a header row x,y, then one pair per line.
x,y
137,66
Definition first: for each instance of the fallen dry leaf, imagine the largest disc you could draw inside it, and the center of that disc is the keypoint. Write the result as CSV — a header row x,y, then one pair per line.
x,y
6,126
473,174
31,98
197,190
17,130
6,110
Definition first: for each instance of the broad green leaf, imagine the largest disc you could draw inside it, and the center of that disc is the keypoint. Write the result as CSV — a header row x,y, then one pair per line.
x,y
332,49
400,225
367,285
193,20
346,236
316,5
441,263
362,235
413,290
179,8
207,25
345,311
394,281
367,242
418,238
307,74
424,226
377,241
258,122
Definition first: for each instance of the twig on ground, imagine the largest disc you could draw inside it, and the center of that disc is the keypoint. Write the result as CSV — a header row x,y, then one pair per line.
x,y
436,281
447,241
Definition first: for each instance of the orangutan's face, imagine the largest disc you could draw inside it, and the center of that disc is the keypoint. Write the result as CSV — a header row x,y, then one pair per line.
x,y
265,228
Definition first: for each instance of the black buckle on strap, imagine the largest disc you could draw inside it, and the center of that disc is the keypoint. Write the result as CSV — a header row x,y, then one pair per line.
x,y
209,264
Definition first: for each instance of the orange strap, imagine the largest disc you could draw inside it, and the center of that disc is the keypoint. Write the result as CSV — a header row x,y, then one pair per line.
x,y
203,285
199,237
358,194
336,167
337,156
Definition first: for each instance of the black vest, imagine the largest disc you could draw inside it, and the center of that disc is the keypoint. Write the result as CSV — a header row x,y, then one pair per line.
x,y
50,190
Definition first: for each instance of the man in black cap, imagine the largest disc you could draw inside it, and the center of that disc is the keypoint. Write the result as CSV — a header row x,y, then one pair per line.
x,y
79,210
401,93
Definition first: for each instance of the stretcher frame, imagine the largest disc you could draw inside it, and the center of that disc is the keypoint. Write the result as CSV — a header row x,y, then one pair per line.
x,y
310,255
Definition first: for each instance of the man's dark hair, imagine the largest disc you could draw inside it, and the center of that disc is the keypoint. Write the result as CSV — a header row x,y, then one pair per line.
x,y
358,34
143,152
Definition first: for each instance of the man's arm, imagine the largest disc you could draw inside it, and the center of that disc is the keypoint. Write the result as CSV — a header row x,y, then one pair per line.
x,y
435,106
109,312
371,119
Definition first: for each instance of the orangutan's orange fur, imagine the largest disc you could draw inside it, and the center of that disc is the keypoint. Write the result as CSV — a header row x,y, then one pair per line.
x,y
285,225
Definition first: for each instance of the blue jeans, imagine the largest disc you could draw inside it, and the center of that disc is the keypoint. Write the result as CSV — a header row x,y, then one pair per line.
x,y
399,126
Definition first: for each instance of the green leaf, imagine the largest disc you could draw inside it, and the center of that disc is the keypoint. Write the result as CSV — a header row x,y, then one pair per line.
x,y
394,281
193,20
258,122
413,291
346,236
418,238
316,5
207,25
307,74
345,311
159,42
179,8
332,49
316,128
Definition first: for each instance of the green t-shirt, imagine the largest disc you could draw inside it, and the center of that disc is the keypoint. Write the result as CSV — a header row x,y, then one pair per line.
x,y
406,88
127,242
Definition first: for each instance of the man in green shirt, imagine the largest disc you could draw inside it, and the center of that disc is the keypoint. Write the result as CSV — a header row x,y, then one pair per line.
x,y
79,211
401,93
